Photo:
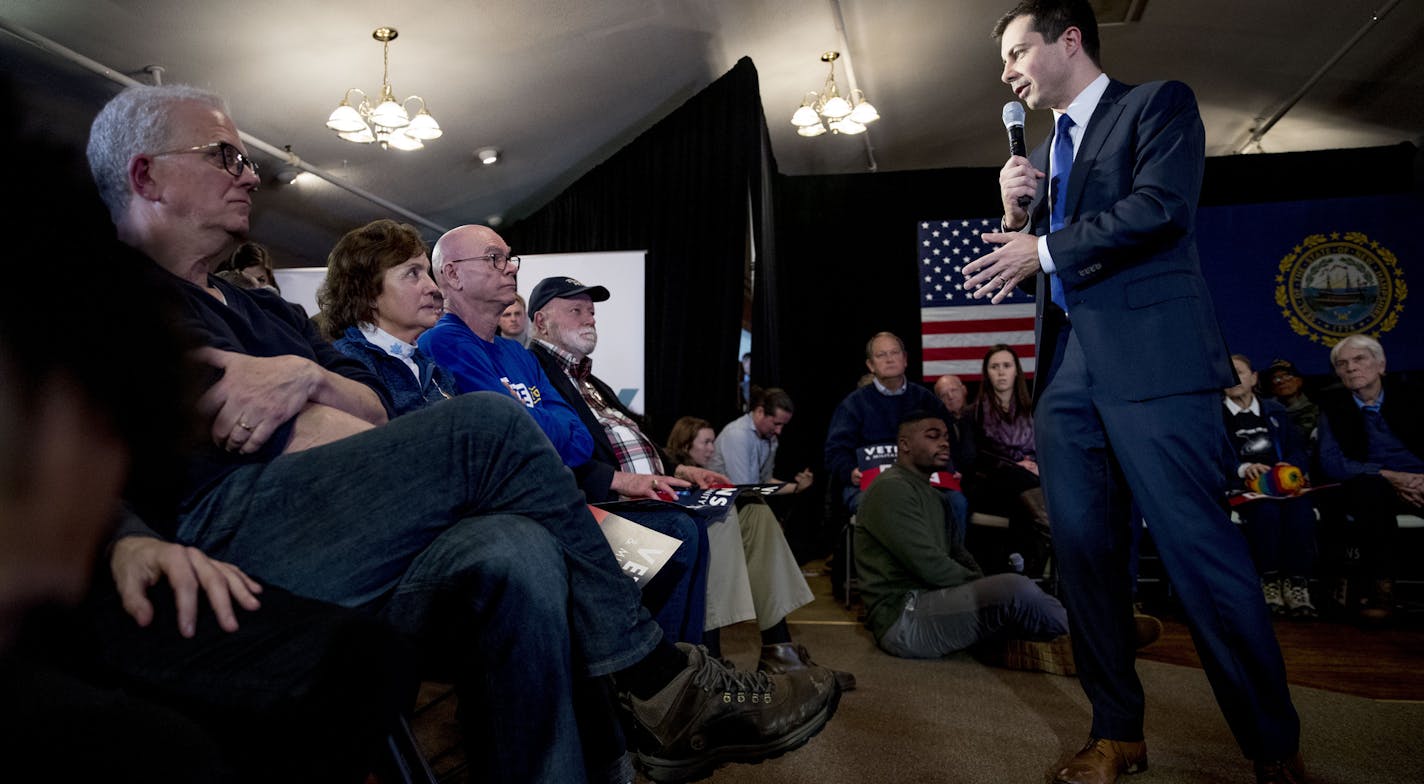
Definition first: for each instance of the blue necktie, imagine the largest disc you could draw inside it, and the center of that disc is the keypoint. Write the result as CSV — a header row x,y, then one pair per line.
x,y
1062,169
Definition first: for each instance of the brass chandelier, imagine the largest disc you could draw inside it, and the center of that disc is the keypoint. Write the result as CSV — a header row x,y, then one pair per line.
x,y
828,109
387,123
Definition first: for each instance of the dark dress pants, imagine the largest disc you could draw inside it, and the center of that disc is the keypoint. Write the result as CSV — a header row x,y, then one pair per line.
x,y
1098,453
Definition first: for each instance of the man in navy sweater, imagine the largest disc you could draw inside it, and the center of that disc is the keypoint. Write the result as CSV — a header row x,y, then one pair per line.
x,y
871,415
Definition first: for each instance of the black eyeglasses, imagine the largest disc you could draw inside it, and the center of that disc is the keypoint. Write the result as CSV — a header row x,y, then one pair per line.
x,y
500,261
233,160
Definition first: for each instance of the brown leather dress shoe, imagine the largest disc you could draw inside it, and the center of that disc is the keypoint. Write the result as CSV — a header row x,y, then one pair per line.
x,y
1291,771
1101,761
787,657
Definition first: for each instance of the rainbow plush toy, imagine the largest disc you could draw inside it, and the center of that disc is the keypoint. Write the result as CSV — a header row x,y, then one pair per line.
x,y
1281,480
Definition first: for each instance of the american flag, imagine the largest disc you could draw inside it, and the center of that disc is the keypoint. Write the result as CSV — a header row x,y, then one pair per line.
x,y
956,328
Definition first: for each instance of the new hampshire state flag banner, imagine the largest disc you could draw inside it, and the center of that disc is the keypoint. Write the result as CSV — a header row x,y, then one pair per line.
x,y
955,328
1290,279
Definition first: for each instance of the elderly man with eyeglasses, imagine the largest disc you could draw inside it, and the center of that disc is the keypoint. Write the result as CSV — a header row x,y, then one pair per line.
x,y
480,279
458,524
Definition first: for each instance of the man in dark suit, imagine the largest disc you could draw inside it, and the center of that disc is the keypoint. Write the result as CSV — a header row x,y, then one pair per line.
x,y
1132,364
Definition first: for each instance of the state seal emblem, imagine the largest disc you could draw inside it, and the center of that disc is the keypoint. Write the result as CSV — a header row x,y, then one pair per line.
x,y
1338,284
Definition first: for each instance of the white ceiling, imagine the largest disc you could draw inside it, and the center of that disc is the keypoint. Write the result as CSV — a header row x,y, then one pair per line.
x,y
558,85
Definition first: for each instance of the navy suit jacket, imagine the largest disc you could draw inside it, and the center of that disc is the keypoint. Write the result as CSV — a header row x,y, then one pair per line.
x,y
1127,255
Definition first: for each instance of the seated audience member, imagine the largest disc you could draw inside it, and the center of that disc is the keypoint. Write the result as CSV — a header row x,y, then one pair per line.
x,y
870,415
925,596
1371,439
753,573
479,277
426,520
253,262
137,687
378,298
1283,382
746,448
378,286
514,322
1006,466
951,391
1281,531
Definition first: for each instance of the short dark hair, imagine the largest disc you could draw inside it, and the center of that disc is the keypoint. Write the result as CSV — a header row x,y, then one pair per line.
x,y
773,400
912,418
1052,17
356,267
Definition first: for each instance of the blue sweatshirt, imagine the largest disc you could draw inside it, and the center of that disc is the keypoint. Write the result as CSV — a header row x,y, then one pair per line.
x,y
481,365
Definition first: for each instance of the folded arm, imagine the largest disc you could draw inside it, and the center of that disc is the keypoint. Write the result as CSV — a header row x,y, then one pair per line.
x,y
256,395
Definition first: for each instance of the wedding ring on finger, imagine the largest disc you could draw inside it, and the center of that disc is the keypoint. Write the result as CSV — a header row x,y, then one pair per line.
x,y
245,426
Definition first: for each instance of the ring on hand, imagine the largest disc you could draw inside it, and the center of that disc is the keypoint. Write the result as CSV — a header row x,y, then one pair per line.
x,y
245,426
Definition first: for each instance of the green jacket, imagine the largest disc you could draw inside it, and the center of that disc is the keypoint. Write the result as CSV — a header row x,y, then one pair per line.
x,y
902,545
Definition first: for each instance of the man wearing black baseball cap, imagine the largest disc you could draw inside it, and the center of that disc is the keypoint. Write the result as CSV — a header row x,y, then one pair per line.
x,y
1283,382
562,288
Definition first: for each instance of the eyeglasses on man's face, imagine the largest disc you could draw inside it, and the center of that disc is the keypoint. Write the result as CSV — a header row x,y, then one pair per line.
x,y
500,261
232,160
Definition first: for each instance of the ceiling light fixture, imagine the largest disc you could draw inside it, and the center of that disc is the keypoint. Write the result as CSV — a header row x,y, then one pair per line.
x,y
842,115
488,155
388,122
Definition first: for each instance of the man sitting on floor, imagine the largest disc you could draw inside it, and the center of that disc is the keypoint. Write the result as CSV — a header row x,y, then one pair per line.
x,y
925,596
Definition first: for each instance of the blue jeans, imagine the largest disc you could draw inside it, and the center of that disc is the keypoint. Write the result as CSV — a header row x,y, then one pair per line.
x,y
487,602
677,597
345,522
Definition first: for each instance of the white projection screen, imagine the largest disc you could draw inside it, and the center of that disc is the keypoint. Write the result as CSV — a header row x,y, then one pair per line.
x,y
619,357
618,360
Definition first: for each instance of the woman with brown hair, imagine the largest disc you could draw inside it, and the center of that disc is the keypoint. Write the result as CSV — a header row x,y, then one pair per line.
x,y
1006,470
377,298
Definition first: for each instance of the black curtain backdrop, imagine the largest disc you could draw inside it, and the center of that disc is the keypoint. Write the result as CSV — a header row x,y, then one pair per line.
x,y
686,191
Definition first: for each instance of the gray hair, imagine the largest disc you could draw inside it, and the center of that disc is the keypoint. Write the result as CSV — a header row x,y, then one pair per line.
x,y
138,120
1356,341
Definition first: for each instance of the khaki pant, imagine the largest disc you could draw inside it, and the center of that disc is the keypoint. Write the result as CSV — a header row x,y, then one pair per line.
x,y
752,572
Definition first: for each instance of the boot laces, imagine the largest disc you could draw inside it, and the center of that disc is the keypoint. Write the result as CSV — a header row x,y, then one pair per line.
x,y
736,685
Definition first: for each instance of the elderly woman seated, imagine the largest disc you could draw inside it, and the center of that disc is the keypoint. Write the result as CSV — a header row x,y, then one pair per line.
x,y
377,299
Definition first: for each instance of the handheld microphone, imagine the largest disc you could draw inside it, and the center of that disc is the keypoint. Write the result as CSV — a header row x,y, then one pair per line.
x,y
1014,123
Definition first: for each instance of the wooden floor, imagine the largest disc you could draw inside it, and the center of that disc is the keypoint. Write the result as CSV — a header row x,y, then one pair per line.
x,y
1378,663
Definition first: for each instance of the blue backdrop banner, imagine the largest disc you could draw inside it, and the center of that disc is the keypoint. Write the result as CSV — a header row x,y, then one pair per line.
x,y
1291,278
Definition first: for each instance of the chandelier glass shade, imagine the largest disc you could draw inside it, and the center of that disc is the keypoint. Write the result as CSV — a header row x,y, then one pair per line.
x,y
386,121
829,110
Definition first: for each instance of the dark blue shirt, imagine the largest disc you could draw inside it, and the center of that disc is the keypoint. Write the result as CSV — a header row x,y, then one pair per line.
x,y
407,392
258,323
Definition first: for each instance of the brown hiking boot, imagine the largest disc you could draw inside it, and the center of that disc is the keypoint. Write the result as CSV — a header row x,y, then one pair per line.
x,y
710,715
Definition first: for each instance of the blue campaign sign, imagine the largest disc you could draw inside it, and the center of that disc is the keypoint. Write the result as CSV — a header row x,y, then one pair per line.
x,y
1291,278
